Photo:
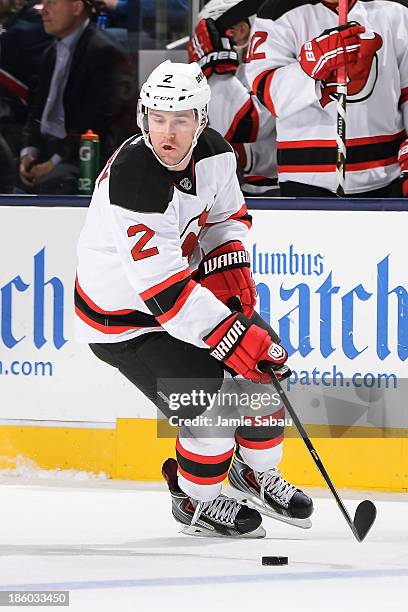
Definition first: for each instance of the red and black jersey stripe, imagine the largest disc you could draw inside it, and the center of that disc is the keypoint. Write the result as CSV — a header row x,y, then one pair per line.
x,y
240,154
245,125
261,436
109,322
203,469
404,96
320,155
241,215
167,298
262,89
261,181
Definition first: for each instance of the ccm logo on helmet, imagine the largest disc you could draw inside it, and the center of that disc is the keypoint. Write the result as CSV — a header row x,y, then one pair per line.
x,y
163,98
277,352
231,337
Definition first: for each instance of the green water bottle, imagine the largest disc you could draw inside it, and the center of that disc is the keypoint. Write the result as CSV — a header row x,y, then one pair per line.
x,y
89,158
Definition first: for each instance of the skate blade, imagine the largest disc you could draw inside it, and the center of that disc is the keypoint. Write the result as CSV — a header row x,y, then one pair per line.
x,y
253,502
202,532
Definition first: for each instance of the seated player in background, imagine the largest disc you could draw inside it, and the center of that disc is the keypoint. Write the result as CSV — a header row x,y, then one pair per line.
x,y
297,49
220,45
165,200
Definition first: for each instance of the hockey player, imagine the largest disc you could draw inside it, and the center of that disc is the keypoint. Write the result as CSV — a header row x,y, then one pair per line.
x,y
223,31
295,51
162,195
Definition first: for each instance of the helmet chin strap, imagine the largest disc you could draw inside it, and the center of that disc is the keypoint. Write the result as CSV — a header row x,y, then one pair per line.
x,y
198,131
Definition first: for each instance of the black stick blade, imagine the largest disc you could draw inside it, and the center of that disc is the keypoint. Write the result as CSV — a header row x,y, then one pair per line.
x,y
363,519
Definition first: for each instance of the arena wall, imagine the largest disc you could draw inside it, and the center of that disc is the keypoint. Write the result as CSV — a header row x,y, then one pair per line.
x,y
333,283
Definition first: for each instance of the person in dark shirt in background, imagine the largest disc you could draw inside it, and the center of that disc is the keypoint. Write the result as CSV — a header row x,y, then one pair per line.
x,y
80,89
22,44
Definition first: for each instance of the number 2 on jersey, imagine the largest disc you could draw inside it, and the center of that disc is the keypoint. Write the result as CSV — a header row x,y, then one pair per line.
x,y
258,38
138,251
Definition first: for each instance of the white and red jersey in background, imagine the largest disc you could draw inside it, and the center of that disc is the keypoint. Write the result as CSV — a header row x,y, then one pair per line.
x,y
248,126
305,110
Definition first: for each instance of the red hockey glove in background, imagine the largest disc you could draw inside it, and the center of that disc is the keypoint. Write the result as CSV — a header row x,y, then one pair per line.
x,y
226,272
403,162
212,50
241,345
334,48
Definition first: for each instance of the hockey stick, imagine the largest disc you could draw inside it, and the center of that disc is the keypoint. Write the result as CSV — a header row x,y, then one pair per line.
x,y
341,113
366,511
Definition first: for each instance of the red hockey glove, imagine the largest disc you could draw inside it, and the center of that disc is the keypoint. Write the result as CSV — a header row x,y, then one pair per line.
x,y
331,50
226,272
212,50
403,162
241,345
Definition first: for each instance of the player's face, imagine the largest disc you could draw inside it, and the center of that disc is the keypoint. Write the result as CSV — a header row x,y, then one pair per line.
x,y
171,134
240,33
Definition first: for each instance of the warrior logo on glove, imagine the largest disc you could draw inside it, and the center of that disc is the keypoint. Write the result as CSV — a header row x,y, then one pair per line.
x,y
244,346
221,262
225,271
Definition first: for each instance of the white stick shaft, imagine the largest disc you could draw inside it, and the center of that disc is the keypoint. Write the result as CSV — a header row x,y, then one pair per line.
x,y
341,113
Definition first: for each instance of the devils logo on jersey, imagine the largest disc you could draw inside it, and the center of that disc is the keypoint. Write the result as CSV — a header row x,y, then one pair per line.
x,y
195,225
362,76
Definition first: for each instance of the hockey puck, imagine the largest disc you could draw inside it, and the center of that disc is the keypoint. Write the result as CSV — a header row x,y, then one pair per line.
x,y
275,560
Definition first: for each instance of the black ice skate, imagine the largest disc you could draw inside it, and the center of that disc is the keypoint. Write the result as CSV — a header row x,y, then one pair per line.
x,y
269,493
222,517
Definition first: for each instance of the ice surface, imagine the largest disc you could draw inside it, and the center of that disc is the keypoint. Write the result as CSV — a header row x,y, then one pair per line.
x,y
115,546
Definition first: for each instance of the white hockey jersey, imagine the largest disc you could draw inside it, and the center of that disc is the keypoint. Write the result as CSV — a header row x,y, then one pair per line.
x,y
305,110
143,229
248,126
